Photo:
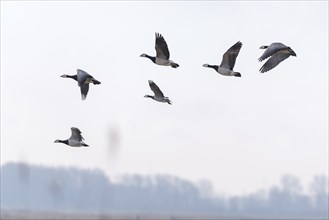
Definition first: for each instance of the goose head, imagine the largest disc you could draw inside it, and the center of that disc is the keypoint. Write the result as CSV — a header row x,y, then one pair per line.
x,y
148,96
205,65
263,47
61,141
64,76
143,55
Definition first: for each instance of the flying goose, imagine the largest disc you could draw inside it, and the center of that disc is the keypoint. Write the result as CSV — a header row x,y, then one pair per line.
x,y
76,139
162,53
158,95
278,53
228,61
83,79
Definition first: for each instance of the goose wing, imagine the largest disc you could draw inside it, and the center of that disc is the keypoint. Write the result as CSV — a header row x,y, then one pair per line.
x,y
161,47
82,76
76,134
155,89
230,56
84,88
272,49
274,61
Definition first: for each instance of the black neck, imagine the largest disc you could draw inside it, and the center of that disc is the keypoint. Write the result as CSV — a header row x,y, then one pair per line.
x,y
64,141
215,67
72,77
149,96
150,57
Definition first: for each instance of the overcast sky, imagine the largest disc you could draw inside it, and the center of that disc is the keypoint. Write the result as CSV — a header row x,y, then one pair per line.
x,y
241,134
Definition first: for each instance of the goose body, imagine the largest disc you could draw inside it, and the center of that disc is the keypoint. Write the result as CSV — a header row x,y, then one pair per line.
x,y
228,61
277,52
83,79
76,139
162,53
158,95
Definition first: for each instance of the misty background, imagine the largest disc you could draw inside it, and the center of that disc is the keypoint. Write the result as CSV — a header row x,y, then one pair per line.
x,y
74,190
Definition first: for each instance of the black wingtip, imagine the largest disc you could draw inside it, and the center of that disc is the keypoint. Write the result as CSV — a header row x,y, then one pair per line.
x,y
237,74
263,70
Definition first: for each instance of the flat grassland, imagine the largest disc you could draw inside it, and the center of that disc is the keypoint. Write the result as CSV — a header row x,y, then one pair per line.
x,y
5,214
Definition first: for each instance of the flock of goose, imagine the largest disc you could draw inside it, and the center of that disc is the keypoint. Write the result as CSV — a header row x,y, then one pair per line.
x,y
276,52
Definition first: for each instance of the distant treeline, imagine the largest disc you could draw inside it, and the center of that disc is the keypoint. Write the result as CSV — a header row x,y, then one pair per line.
x,y
39,188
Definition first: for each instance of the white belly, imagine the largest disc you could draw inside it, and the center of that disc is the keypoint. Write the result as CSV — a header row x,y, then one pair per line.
x,y
162,62
74,143
159,99
225,71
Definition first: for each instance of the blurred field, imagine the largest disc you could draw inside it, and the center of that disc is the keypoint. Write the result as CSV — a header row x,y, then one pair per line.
x,y
50,215
21,215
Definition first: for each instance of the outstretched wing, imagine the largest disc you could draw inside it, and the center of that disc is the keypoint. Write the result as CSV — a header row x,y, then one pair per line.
x,y
272,49
82,72
155,89
230,56
274,61
82,76
84,88
76,134
161,47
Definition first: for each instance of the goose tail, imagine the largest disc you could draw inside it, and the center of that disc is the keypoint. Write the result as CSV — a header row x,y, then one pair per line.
x,y
174,65
96,82
237,74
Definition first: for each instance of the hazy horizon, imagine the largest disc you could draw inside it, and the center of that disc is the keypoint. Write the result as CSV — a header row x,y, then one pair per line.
x,y
44,191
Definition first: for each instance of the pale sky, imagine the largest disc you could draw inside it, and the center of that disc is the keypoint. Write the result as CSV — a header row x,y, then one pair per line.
x,y
241,134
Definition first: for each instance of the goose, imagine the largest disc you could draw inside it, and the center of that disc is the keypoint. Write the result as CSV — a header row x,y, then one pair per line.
x,y
228,61
83,79
76,139
278,53
162,53
158,95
